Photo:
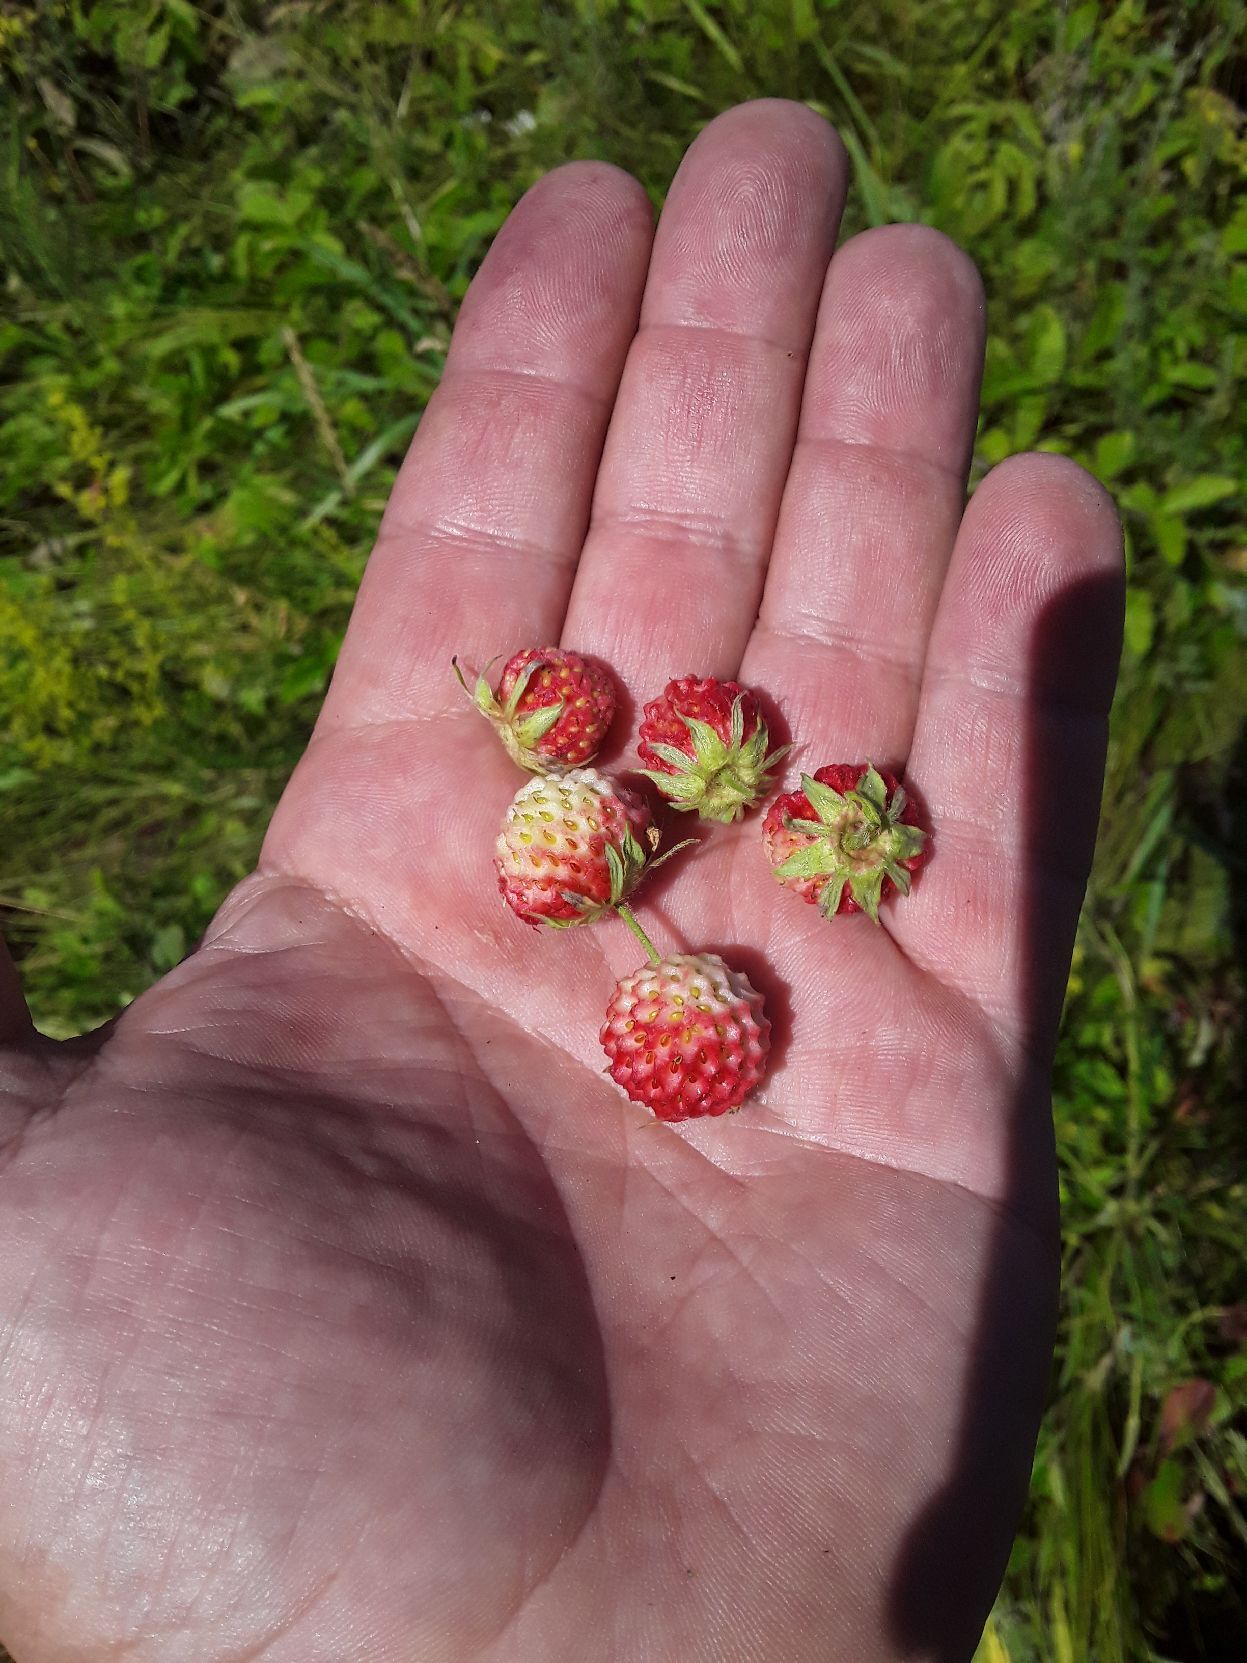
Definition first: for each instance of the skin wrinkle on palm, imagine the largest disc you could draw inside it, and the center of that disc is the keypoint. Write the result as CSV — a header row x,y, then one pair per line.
x,y
348,1310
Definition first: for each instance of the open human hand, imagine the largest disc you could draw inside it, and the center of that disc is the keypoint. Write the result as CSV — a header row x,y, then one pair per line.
x,y
347,1311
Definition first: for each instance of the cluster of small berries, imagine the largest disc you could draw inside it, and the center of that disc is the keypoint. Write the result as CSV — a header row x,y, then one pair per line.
x,y
686,1035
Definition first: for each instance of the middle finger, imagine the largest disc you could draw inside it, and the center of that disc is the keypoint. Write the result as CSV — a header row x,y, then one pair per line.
x,y
702,433
875,494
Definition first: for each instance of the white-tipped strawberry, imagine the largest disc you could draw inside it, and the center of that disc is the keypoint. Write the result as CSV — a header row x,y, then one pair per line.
x,y
686,1035
571,848
551,708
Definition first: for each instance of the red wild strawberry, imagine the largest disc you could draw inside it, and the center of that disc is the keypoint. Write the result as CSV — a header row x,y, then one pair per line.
x,y
847,840
551,709
570,848
686,1035
705,744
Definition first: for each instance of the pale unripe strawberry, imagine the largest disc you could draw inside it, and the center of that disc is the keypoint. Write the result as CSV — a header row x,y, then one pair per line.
x,y
571,847
704,744
847,840
551,709
686,1036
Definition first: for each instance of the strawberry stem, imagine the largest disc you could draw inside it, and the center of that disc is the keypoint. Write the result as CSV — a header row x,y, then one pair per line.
x,y
629,919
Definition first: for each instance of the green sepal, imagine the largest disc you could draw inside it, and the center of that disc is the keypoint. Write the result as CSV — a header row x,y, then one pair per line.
x,y
899,876
736,724
719,779
709,751
873,793
588,912
521,687
905,841
679,760
866,888
482,694
662,859
826,802
829,900
814,861
625,866
675,787
852,826
530,729
618,872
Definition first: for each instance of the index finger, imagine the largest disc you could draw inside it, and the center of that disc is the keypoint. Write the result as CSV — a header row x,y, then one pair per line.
x,y
484,527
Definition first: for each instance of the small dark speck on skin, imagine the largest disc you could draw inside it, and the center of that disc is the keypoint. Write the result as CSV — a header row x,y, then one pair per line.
x,y
673,1278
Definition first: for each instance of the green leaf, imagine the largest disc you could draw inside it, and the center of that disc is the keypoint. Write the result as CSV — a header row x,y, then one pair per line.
x,y
1047,345
263,204
1080,24
1140,622
1113,452
714,33
1201,377
168,946
1170,535
1163,1507
1201,492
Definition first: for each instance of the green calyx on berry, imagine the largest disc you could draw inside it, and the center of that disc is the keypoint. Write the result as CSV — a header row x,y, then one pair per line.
x,y
519,734
720,777
857,841
625,862
627,865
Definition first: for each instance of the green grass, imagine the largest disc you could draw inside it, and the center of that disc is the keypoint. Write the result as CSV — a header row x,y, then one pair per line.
x,y
233,254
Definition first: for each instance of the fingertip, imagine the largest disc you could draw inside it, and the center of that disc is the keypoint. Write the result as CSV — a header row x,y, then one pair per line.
x,y
898,354
768,120
905,252
1043,540
560,287
1048,492
602,185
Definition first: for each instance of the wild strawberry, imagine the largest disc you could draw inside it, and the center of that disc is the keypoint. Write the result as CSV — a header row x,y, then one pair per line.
x,y
705,743
686,1035
846,840
570,848
551,709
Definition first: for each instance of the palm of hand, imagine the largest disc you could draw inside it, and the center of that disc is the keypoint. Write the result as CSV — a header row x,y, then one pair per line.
x,y
350,1313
